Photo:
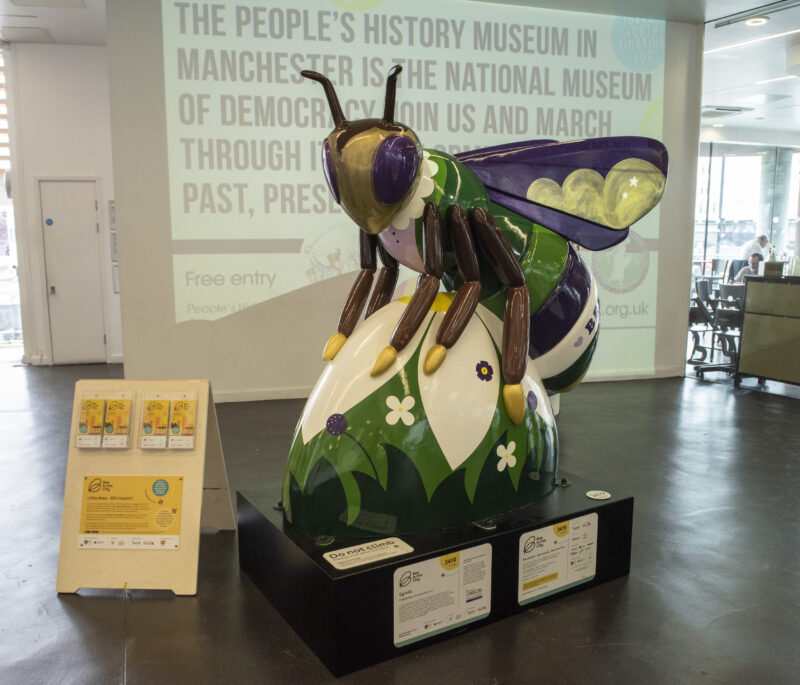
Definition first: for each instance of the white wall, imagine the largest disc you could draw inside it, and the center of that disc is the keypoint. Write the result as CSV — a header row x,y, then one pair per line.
x,y
60,126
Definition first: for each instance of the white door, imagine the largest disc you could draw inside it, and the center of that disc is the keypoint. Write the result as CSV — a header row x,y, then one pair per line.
x,y
72,259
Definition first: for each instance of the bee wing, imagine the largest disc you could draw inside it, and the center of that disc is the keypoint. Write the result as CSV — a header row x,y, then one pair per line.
x,y
588,191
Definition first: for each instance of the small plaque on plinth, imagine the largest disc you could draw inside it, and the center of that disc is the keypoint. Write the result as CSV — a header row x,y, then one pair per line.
x,y
357,602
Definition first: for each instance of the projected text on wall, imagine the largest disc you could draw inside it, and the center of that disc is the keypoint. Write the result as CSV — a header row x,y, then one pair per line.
x,y
252,217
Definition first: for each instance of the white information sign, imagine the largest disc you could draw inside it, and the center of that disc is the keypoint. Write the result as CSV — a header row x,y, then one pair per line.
x,y
557,557
443,593
369,552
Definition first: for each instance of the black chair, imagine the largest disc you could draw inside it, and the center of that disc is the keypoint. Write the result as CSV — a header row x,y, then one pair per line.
x,y
702,287
701,321
726,323
736,266
732,292
718,265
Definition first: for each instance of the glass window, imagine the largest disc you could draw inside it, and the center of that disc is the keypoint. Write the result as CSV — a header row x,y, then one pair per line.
x,y
743,191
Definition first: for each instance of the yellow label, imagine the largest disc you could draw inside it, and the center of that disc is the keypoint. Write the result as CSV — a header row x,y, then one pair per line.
x,y
118,417
183,417
561,529
540,581
450,562
131,505
90,421
155,417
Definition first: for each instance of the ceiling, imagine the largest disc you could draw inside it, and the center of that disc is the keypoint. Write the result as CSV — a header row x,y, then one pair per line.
x,y
66,22
748,86
732,94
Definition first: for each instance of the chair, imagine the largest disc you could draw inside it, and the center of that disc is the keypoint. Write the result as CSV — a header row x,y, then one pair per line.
x,y
734,268
701,320
718,265
700,323
702,287
726,323
732,292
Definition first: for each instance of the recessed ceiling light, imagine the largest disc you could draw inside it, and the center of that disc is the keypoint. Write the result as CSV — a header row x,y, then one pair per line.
x,y
717,125
757,21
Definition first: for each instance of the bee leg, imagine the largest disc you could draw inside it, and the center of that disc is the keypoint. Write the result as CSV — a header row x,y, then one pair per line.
x,y
356,299
387,280
466,298
516,320
427,287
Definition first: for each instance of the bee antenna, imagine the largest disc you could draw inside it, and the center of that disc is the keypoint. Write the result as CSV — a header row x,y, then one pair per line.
x,y
391,88
333,101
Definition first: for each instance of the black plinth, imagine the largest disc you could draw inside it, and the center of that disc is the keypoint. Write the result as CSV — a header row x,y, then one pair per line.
x,y
347,616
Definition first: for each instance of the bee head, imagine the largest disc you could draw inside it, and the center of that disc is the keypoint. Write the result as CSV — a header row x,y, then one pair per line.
x,y
372,165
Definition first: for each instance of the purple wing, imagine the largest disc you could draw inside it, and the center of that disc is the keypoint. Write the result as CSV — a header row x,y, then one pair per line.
x,y
508,172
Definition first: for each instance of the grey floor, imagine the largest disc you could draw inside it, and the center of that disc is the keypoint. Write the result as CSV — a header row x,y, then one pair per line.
x,y
713,595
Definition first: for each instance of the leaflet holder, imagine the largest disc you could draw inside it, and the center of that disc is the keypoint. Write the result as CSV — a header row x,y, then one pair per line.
x,y
145,471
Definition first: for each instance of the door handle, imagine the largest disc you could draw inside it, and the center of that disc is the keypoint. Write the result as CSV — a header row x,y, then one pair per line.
x,y
52,290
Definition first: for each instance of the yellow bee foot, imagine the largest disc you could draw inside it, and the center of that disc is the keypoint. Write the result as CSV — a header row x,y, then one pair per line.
x,y
434,359
385,359
333,346
514,399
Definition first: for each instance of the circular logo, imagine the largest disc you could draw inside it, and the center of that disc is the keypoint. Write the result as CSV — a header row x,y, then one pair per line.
x,y
405,579
160,487
639,43
598,494
623,267
94,484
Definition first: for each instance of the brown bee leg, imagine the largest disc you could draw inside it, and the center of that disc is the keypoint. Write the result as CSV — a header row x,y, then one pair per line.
x,y
427,287
354,304
466,298
387,280
516,320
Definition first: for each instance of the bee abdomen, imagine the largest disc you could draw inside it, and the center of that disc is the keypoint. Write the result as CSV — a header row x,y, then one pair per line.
x,y
553,321
564,328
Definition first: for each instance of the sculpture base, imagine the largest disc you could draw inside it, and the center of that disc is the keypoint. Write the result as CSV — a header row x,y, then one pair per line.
x,y
357,602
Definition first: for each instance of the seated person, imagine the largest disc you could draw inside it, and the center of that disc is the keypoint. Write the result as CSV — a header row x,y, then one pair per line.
x,y
751,269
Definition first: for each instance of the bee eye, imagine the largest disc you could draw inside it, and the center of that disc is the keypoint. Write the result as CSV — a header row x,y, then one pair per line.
x,y
330,174
394,168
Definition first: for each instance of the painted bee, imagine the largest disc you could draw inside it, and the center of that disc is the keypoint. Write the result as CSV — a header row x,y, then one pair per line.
x,y
476,222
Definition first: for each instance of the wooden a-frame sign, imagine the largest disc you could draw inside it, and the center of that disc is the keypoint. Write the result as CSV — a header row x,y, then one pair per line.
x,y
145,472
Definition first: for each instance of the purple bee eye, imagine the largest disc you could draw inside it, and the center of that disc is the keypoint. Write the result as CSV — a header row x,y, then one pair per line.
x,y
330,174
394,168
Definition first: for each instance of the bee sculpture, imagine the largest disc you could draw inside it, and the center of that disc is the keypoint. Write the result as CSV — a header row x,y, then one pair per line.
x,y
495,226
